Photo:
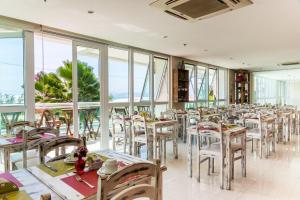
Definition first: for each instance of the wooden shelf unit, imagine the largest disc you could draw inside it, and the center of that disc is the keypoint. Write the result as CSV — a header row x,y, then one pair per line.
x,y
180,85
240,93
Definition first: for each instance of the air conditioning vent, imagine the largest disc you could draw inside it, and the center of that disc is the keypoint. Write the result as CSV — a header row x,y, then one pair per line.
x,y
193,10
175,15
290,63
170,2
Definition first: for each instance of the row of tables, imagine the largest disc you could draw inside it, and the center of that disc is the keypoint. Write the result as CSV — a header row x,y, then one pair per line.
x,y
35,181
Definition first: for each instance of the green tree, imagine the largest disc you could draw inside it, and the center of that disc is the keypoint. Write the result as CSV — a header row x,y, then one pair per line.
x,y
57,87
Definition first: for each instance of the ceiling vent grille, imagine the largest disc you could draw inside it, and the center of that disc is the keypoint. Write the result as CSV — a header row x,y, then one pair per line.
x,y
193,10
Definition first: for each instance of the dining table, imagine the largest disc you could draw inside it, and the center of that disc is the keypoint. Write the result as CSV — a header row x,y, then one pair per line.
x,y
11,144
29,186
230,134
64,183
154,126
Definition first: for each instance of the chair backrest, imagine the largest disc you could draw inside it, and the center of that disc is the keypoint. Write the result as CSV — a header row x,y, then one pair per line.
x,y
21,125
55,143
193,118
30,143
253,120
118,121
107,184
213,130
169,114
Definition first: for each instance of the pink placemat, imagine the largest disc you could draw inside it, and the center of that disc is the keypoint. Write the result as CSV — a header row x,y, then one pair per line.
x,y
11,178
16,140
91,177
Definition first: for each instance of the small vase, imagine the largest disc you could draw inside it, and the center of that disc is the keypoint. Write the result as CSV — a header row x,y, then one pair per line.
x,y
80,165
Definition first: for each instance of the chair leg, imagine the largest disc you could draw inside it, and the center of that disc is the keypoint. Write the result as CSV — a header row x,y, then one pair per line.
x,y
260,147
198,157
252,146
209,167
114,143
222,173
213,165
165,149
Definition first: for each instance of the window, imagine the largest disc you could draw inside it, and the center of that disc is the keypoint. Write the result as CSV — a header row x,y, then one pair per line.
x,y
212,87
118,75
201,86
11,67
53,77
222,86
161,80
141,77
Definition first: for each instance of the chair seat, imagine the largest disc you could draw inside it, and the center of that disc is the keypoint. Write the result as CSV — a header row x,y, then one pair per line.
x,y
210,150
254,133
236,147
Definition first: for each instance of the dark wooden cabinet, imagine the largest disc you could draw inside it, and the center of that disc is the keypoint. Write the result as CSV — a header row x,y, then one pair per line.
x,y
240,93
180,85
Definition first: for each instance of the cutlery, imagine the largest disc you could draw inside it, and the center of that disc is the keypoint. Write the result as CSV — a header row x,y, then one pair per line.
x,y
79,179
51,168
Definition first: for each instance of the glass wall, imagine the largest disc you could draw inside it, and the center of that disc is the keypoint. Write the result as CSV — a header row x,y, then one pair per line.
x,y
141,77
118,75
201,86
222,86
53,81
212,87
12,98
265,90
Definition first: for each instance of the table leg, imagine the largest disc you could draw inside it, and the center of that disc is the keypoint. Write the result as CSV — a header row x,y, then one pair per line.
x,y
228,165
190,154
184,132
130,139
6,152
154,142
244,144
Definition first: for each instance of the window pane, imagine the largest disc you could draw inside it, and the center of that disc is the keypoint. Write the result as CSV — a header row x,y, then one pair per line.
x,y
88,92
9,118
161,81
201,83
222,84
191,81
141,77
11,66
212,77
53,80
118,75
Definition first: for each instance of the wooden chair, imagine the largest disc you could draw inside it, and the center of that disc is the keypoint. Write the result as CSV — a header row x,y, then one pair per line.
x,y
210,151
49,120
54,144
119,130
140,134
20,126
107,184
31,145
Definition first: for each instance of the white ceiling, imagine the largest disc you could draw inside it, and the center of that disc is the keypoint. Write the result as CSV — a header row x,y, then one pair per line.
x,y
261,35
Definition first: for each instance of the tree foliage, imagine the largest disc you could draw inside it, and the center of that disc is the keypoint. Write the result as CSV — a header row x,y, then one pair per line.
x,y
57,87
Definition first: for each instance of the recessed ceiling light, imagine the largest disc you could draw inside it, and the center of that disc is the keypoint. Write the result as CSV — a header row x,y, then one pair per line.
x,y
185,44
90,11
165,36
205,50
231,58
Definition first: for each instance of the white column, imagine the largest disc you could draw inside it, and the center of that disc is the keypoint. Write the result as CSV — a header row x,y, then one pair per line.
x,y
104,98
29,75
75,90
131,80
151,78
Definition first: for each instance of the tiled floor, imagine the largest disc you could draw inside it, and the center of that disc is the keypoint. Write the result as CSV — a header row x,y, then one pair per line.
x,y
275,178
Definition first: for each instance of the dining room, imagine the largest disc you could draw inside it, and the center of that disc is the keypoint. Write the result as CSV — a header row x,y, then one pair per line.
x,y
174,100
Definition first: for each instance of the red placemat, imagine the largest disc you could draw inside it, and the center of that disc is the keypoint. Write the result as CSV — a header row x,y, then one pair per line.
x,y
11,178
16,140
91,177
